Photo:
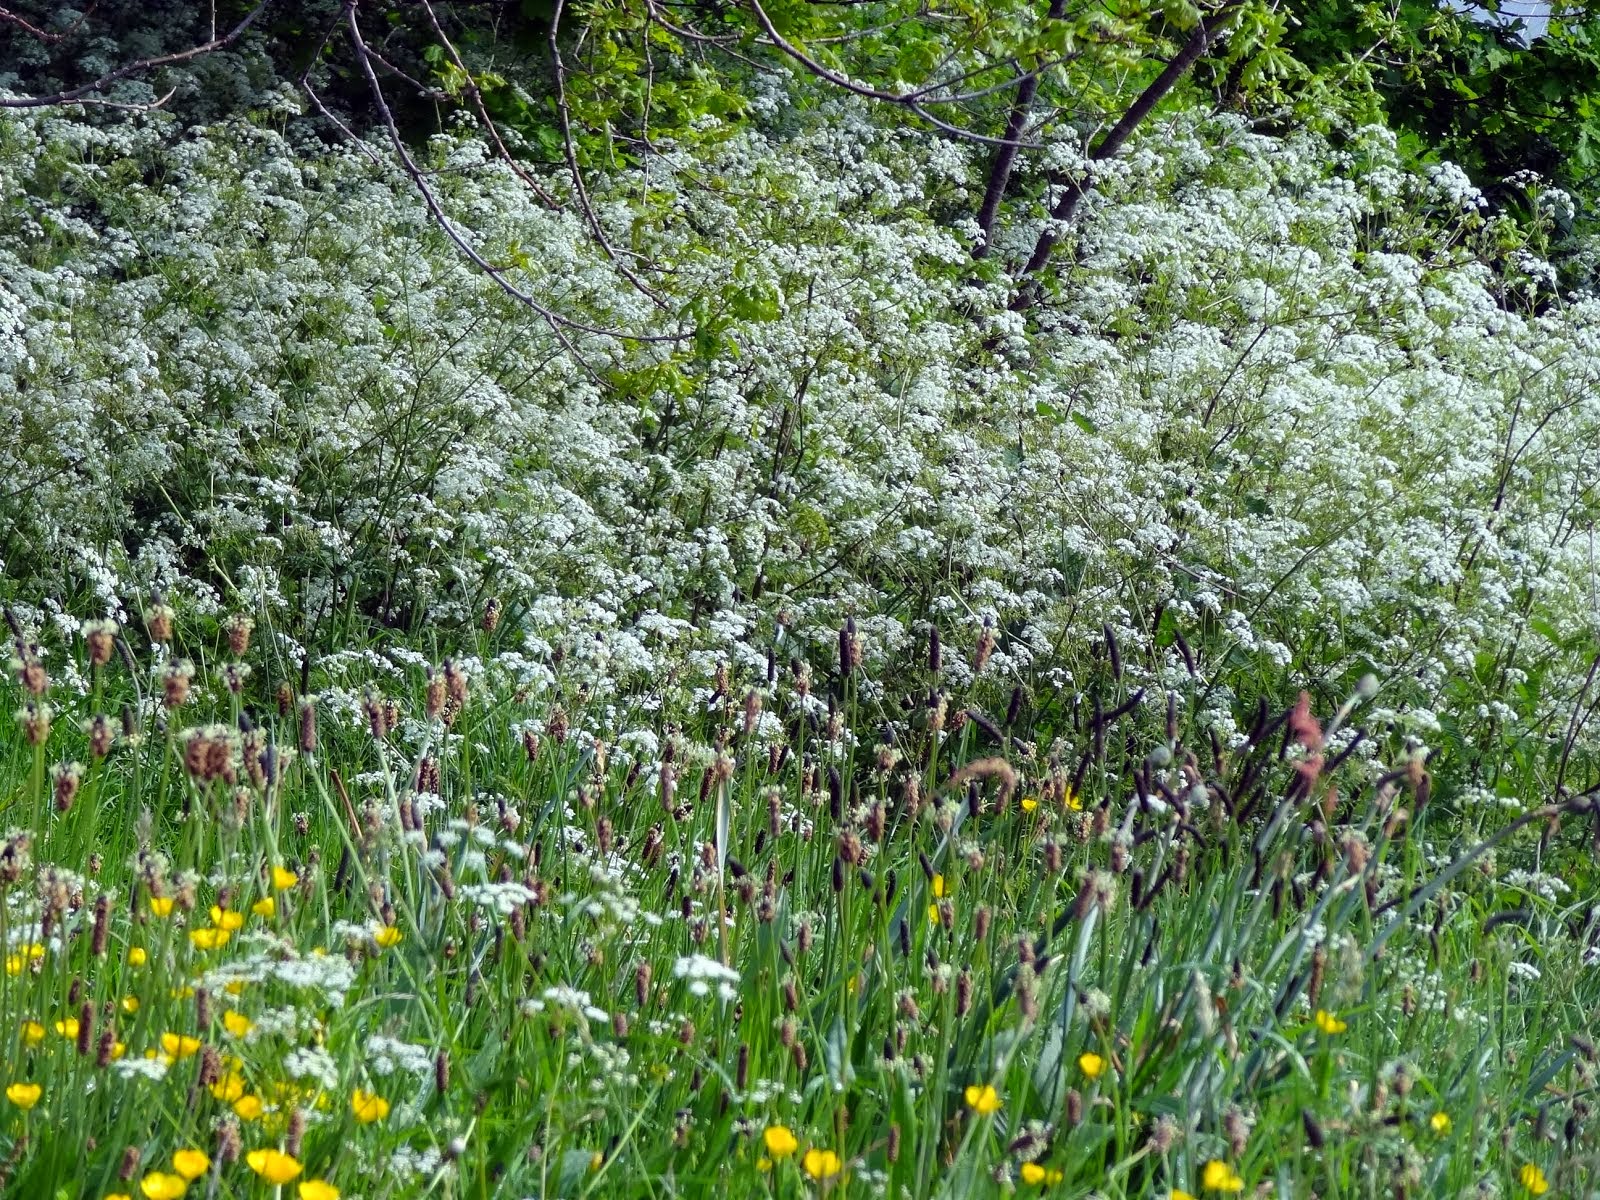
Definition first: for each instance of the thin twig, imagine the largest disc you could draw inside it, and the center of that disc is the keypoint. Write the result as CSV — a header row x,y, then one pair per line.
x,y
1079,186
570,146
908,100
1006,156
1578,718
137,68
555,320
44,35
476,96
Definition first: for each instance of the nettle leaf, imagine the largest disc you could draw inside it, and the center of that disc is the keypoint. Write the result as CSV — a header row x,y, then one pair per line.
x,y
1181,14
810,526
760,301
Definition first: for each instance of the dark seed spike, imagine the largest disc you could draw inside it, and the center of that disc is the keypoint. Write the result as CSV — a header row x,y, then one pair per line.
x,y
1079,774
1259,726
985,724
1155,935
1098,725
1338,759
1308,1122
1188,655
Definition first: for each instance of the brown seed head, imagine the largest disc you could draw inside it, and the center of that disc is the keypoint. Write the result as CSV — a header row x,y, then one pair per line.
x,y
158,623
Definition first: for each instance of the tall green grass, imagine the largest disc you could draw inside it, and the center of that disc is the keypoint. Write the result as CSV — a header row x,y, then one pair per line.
x,y
1284,965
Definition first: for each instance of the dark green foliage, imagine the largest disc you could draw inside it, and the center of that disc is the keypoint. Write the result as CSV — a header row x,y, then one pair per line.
x,y
1467,86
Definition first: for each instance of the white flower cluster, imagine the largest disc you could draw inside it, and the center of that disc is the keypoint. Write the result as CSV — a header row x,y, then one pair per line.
x,y
502,898
704,974
1274,384
386,1056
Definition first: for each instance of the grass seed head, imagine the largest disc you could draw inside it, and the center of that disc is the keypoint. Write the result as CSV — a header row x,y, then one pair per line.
x,y
158,623
175,684
101,639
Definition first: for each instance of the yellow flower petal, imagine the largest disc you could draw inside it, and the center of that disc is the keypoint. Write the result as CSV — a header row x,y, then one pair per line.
x,y
23,957
273,1165
229,1088
180,1045
368,1107
209,939
160,1186
821,1164
24,1095
1218,1176
779,1141
983,1099
191,1164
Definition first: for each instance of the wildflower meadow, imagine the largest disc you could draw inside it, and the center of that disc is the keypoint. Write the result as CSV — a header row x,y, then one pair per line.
x,y
811,600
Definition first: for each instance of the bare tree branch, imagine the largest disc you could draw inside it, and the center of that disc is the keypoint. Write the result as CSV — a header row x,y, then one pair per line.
x,y
7,17
571,148
914,101
559,324
476,96
1076,187
429,93
75,95
1006,156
